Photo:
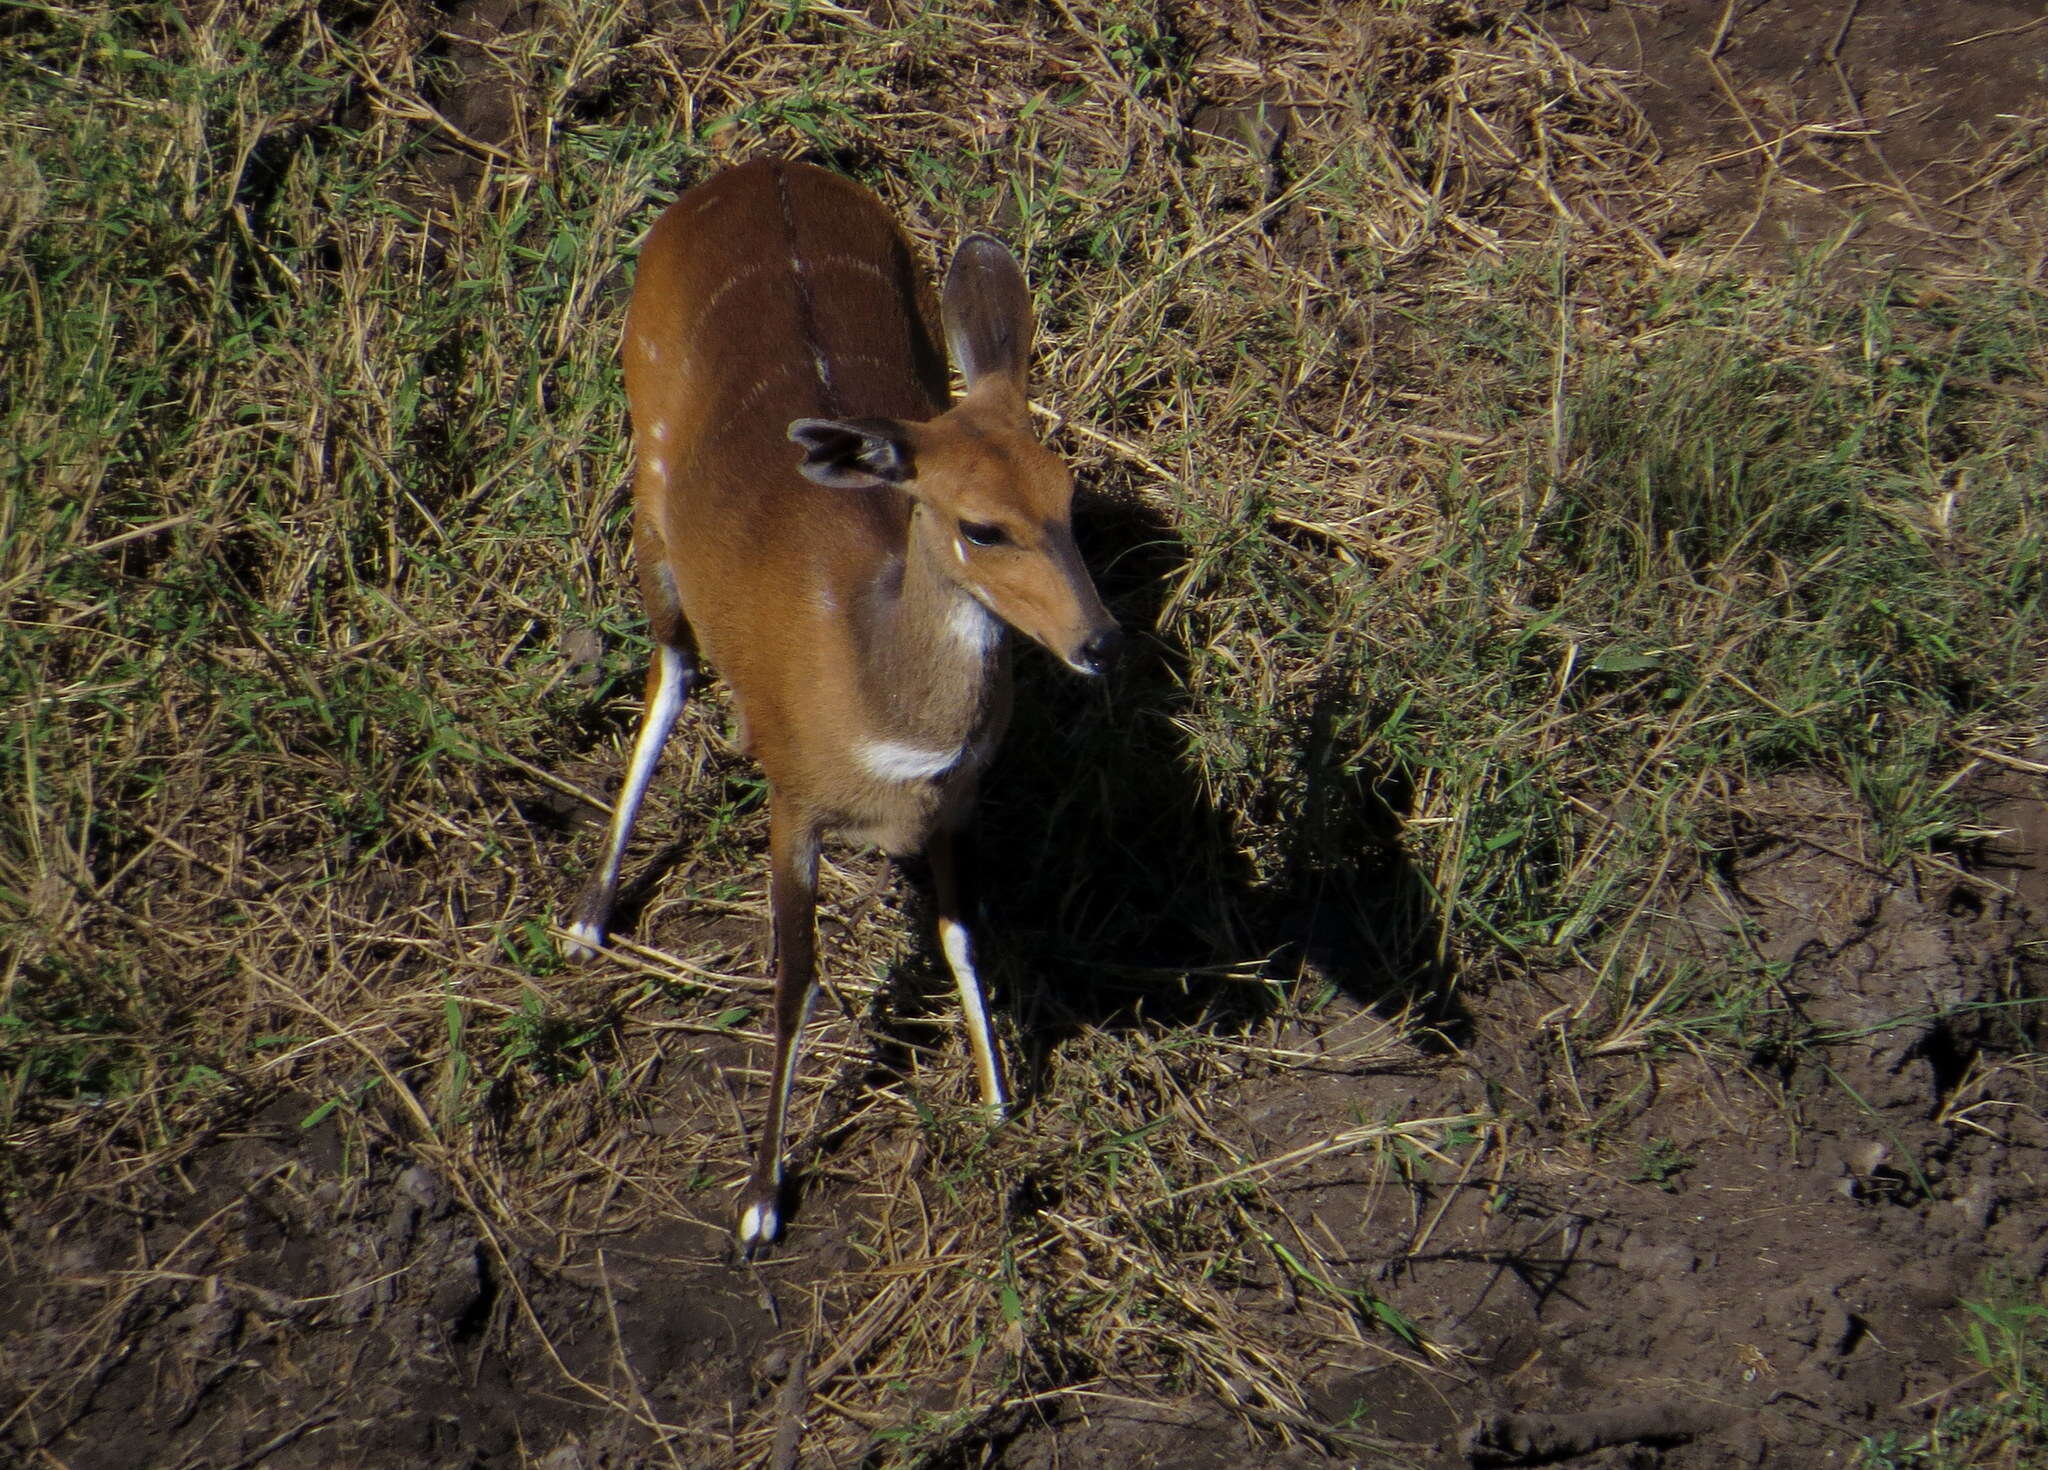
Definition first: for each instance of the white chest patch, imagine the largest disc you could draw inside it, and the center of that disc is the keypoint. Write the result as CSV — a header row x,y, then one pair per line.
x,y
892,760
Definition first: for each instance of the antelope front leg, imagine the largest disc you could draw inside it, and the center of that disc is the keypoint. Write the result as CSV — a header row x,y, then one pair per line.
x,y
669,681
793,900
951,854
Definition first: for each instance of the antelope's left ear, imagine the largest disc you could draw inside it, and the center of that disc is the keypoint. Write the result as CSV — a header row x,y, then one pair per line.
x,y
854,454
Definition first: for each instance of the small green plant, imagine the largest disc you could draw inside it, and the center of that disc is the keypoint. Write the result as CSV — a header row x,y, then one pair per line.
x,y
2005,1420
530,948
551,1045
1660,1162
69,1035
352,1098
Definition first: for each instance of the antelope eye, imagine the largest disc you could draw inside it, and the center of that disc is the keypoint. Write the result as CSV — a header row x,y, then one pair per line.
x,y
981,533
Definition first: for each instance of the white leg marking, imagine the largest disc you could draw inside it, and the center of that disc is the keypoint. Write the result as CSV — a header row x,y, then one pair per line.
x,y
954,939
796,1056
759,1222
758,1226
670,689
893,760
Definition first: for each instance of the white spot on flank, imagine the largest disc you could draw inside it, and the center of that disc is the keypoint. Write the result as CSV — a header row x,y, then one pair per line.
x,y
658,431
658,467
973,624
892,760
650,349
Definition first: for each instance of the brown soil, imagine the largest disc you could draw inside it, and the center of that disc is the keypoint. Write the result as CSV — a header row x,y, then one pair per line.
x,y
1894,124
1777,1274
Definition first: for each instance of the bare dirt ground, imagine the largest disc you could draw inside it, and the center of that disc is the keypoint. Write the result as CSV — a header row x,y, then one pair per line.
x,y
1775,1275
1883,124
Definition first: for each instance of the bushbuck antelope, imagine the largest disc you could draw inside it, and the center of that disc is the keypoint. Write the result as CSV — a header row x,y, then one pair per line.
x,y
815,517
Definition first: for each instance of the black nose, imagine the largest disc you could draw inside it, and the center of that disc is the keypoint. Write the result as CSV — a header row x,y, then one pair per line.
x,y
1101,649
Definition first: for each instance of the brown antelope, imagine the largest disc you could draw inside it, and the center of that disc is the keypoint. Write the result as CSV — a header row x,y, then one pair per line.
x,y
853,590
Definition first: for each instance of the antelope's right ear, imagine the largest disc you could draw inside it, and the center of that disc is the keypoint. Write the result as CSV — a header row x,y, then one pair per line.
x,y
854,454
986,308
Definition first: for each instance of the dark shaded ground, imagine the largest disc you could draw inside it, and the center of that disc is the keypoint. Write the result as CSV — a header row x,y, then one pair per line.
x,y
1776,1276
1779,1272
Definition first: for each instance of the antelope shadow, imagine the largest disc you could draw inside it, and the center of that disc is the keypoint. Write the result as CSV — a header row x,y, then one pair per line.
x,y
1116,893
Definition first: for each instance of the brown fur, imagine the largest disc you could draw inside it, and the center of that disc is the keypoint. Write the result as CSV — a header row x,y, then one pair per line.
x,y
836,584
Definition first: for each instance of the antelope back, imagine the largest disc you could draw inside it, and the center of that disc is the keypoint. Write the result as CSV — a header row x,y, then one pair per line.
x,y
773,292
779,302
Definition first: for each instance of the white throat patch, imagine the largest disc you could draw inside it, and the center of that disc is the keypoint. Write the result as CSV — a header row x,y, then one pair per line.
x,y
973,625
892,760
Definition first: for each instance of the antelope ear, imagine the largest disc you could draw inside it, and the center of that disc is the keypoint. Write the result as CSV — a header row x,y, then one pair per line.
x,y
987,311
854,454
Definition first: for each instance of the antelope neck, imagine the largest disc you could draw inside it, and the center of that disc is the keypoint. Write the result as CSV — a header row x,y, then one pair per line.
x,y
932,652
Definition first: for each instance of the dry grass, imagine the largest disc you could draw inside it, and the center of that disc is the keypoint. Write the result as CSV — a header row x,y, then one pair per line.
x,y
1401,413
